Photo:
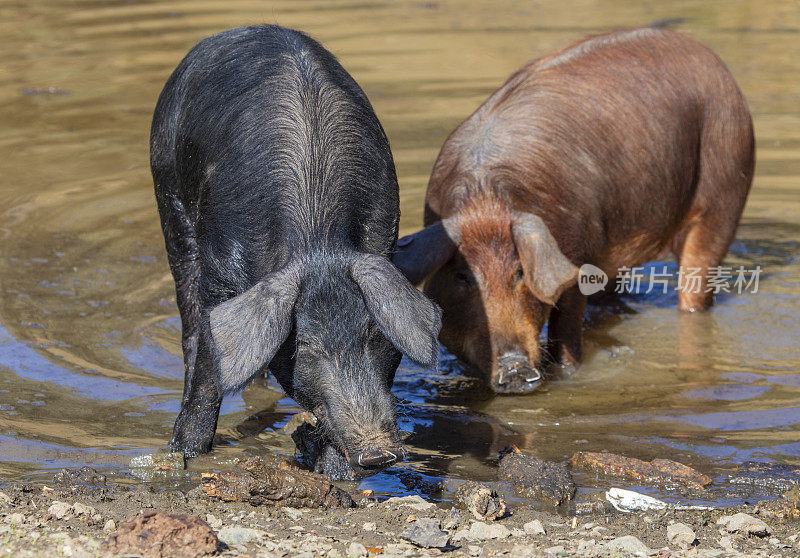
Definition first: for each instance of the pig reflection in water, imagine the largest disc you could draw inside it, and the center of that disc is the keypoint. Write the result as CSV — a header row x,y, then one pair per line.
x,y
608,153
279,205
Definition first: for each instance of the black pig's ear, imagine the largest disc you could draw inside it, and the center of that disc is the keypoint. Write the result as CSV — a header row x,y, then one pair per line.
x,y
249,328
405,316
419,255
548,272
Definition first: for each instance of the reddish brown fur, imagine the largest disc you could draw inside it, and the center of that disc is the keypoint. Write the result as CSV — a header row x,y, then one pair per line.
x,y
624,144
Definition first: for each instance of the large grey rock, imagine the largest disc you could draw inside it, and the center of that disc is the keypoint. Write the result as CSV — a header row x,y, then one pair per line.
x,y
744,524
629,544
426,533
681,535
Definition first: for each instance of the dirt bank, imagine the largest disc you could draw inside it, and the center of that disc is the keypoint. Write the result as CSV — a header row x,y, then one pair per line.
x,y
78,513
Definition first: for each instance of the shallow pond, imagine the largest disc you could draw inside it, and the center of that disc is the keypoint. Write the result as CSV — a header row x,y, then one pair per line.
x,y
90,371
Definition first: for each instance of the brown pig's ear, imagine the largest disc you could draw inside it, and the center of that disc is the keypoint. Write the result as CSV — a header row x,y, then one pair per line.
x,y
547,270
419,255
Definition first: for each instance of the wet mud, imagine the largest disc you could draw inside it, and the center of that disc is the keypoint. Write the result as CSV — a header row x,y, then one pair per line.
x,y
275,481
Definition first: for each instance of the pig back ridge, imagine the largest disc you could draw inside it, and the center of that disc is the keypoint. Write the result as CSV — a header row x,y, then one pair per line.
x,y
607,136
273,151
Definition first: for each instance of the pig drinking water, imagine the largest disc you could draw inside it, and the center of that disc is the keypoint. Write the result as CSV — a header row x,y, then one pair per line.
x,y
279,206
608,152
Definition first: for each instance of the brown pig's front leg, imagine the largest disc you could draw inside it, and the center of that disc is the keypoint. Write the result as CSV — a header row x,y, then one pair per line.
x,y
565,328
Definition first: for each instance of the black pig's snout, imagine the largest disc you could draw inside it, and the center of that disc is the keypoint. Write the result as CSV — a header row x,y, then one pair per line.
x,y
515,374
378,457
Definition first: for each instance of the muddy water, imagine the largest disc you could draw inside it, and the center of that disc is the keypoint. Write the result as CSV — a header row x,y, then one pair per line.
x,y
90,371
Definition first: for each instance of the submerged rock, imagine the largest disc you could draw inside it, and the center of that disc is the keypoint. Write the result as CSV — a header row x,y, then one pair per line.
x,y
656,472
275,481
171,461
154,533
777,477
83,476
533,478
480,500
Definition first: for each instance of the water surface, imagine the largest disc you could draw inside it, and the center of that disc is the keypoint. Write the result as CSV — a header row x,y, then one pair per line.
x,y
90,370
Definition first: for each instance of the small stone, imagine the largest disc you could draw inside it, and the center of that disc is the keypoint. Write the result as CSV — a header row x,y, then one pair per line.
x,y
416,502
517,533
370,526
59,510
5,500
238,536
681,535
357,550
727,544
534,527
598,531
524,551
474,550
110,526
214,521
629,544
744,524
554,550
774,541
293,513
83,509
15,519
426,533
480,531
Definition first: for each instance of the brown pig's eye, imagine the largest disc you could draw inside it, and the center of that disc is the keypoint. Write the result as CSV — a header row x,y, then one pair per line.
x,y
519,275
464,278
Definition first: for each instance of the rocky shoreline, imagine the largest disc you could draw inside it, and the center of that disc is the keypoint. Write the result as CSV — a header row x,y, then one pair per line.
x,y
81,514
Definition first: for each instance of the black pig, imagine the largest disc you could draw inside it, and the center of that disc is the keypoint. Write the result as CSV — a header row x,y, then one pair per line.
x,y
279,206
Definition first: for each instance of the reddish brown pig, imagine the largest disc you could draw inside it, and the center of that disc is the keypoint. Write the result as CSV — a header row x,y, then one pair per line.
x,y
608,152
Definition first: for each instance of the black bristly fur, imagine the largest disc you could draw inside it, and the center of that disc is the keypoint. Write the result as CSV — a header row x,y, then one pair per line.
x,y
279,205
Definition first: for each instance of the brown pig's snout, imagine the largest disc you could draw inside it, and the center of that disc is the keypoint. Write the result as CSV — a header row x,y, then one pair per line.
x,y
515,374
377,457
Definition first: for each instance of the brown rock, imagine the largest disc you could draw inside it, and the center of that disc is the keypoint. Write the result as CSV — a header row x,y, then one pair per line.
x,y
481,501
157,534
658,471
278,482
533,478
